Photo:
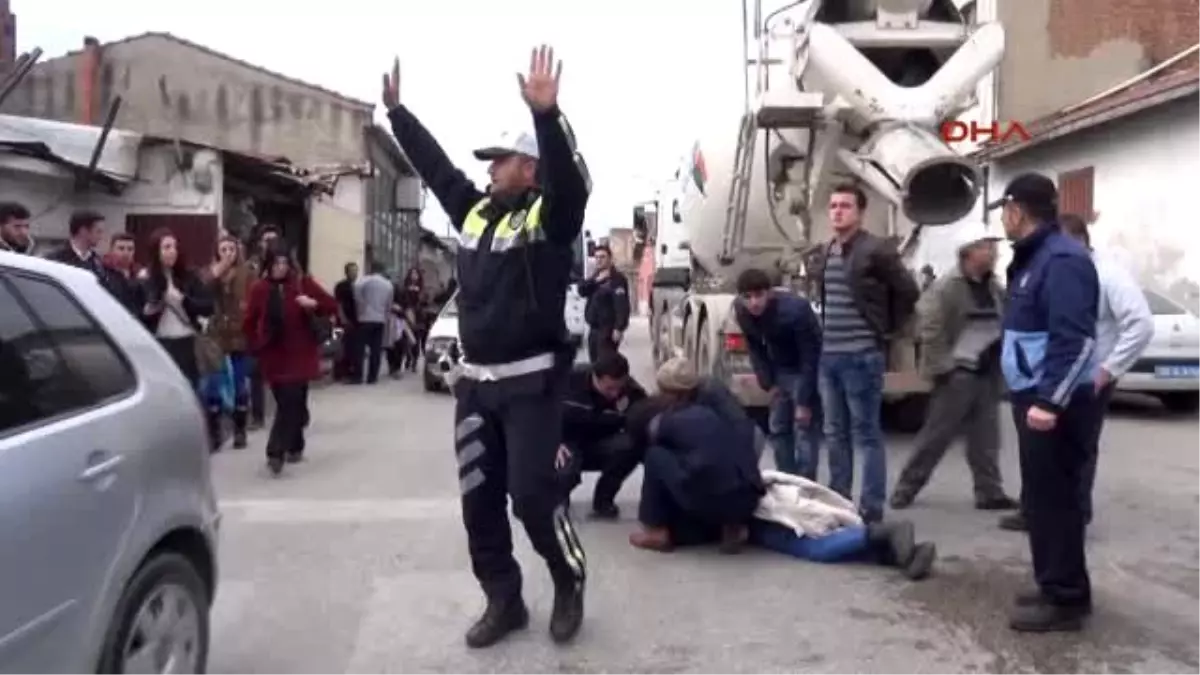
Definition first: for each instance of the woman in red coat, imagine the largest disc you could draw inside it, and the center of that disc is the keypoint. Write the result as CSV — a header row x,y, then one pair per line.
x,y
280,332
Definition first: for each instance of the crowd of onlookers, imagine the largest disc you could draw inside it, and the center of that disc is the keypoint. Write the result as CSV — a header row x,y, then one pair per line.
x,y
243,319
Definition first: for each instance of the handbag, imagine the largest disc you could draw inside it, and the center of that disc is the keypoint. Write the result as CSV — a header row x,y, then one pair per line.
x,y
209,355
321,326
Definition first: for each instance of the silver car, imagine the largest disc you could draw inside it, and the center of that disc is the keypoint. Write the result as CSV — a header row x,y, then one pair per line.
x,y
108,518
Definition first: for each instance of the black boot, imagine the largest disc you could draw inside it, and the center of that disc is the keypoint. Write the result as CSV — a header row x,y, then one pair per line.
x,y
213,426
895,542
924,555
1043,617
499,619
567,616
239,428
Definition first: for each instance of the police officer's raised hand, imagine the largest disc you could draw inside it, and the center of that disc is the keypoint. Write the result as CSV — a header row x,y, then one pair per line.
x,y
540,86
391,86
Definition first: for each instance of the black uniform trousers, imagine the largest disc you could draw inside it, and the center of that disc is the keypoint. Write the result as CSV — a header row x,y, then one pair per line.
x,y
1053,475
507,434
615,457
599,340
1103,398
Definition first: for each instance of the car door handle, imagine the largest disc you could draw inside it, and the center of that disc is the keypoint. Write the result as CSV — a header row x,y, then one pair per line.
x,y
101,468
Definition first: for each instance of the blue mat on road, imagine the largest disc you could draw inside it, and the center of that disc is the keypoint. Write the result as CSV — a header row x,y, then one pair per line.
x,y
845,544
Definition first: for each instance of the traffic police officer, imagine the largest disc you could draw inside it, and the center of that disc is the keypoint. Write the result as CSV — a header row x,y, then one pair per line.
x,y
514,265
607,310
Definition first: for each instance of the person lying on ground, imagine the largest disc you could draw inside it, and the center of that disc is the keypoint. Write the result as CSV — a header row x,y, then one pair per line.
x,y
807,520
700,481
598,398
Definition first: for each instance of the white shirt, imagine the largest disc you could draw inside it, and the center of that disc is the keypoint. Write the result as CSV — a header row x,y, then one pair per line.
x,y
1124,324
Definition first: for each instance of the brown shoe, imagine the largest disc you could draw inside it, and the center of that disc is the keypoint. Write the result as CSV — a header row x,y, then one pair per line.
x,y
651,539
733,538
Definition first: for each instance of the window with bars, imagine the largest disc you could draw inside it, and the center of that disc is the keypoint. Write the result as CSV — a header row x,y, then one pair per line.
x,y
1075,192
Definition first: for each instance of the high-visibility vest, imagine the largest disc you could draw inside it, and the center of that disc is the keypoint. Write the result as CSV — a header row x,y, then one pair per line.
x,y
517,228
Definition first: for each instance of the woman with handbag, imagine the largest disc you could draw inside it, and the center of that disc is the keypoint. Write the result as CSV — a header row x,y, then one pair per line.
x,y
175,302
229,278
285,323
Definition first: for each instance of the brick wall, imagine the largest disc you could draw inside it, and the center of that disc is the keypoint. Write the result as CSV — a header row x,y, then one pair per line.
x,y
1061,52
1162,27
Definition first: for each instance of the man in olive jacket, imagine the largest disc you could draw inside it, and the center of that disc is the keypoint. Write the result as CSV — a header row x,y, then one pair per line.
x,y
959,329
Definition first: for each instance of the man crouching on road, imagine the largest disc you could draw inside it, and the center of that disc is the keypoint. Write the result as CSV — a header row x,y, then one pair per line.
x,y
783,336
959,325
598,398
515,254
701,480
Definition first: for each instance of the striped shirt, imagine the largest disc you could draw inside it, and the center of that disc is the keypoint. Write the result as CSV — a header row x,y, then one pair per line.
x,y
845,330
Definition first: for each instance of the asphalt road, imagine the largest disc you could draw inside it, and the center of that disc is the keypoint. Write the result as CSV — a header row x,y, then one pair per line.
x,y
355,561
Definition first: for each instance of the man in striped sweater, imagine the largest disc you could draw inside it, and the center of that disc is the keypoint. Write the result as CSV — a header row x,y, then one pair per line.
x,y
867,296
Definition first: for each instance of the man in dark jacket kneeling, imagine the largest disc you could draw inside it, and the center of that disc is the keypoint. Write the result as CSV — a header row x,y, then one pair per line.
x,y
701,480
595,437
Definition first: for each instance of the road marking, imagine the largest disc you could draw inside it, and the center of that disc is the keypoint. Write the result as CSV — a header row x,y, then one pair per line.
x,y
338,510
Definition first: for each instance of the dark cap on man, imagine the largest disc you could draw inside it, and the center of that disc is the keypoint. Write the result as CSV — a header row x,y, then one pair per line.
x,y
1033,191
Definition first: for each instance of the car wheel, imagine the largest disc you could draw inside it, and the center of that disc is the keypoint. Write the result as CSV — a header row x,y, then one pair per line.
x,y
431,383
1182,402
161,622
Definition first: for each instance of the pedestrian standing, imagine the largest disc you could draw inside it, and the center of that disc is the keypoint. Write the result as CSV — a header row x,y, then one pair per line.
x,y
280,328
867,297
607,308
374,297
514,265
175,302
229,280
346,370
1124,328
783,336
267,235
14,228
122,271
959,327
1048,361
413,300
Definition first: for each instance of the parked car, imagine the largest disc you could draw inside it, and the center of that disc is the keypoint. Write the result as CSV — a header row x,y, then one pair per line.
x,y
1170,366
108,518
441,345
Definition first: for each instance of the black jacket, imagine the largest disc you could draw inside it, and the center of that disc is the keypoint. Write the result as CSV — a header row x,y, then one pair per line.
x,y
126,291
197,300
785,340
884,290
589,417
607,302
511,302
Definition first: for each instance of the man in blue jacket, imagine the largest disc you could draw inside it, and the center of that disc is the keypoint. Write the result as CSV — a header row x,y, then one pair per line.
x,y
783,336
1048,358
700,477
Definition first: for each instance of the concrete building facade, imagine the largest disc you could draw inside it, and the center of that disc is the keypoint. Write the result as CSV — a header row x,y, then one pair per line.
x,y
171,87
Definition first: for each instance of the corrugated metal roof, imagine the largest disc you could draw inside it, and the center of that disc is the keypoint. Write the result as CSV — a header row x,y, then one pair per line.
x,y
1175,84
72,144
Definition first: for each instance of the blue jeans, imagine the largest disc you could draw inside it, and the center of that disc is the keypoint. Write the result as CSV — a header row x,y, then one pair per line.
x,y
852,396
239,363
797,447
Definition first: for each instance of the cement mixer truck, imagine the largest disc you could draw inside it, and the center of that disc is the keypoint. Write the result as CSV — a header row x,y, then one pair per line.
x,y
836,90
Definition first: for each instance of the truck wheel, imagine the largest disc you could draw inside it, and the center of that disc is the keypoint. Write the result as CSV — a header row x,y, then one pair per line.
x,y
662,338
906,415
161,623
